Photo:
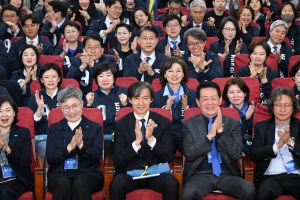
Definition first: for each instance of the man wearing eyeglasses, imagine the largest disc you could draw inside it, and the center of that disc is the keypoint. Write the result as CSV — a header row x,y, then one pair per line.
x,y
82,67
145,65
276,148
174,8
203,66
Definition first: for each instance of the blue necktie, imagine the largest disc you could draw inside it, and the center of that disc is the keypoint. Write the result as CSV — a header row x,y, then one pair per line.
x,y
143,128
147,59
275,49
112,34
174,45
214,153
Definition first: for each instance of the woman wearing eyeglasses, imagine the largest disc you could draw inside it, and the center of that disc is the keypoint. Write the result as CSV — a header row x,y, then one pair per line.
x,y
74,151
229,44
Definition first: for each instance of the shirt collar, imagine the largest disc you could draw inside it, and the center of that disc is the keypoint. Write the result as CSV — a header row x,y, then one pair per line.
x,y
107,22
53,95
35,40
61,23
145,117
152,56
272,45
194,24
177,40
167,92
25,73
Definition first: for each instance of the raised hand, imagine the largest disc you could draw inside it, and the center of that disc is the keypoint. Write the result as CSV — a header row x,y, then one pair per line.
x,y
184,102
149,130
78,136
170,102
168,50
90,98
123,99
138,133
253,71
250,110
211,21
134,45
177,51
39,100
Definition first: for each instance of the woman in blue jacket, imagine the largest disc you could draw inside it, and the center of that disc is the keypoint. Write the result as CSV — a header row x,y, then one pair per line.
x,y
229,44
257,68
259,17
175,95
108,98
236,95
295,74
43,101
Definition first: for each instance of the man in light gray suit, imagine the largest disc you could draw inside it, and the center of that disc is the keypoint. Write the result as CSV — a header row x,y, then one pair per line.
x,y
212,144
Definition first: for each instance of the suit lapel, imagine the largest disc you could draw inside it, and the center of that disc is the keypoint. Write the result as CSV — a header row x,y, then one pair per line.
x,y
130,126
13,136
270,132
294,130
200,125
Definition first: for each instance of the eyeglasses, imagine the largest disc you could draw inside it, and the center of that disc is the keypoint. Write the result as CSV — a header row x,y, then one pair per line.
x,y
172,25
195,44
9,16
91,47
74,107
285,106
174,9
232,30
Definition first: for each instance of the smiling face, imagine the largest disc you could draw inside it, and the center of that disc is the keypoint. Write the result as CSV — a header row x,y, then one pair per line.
x,y
84,4
31,30
105,81
141,19
246,17
50,79
277,35
114,11
283,111
197,13
173,28
141,104
7,115
229,31
72,109
123,35
148,42
175,74
71,33
258,56
29,58
94,48
16,3
130,5
255,4
195,46
297,79
209,102
236,96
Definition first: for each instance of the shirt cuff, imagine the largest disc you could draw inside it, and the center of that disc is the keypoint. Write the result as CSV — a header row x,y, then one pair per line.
x,y
152,144
102,36
136,148
291,148
36,118
275,150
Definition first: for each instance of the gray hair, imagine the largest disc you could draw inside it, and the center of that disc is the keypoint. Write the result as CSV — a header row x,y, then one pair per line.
x,y
277,92
195,33
69,92
279,23
198,3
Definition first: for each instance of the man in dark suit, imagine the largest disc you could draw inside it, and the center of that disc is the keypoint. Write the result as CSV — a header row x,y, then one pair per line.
x,y
142,138
276,148
212,144
174,8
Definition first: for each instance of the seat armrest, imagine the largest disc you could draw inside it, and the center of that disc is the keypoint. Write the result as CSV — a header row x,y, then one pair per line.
x,y
248,168
178,171
108,174
39,173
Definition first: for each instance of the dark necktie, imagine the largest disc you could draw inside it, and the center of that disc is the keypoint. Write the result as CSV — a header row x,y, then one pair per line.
x,y
197,26
275,49
214,153
174,45
112,34
143,128
147,59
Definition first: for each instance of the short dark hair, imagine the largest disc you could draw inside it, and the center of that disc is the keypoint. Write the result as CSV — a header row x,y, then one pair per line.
x,y
197,33
141,9
167,64
104,67
10,7
295,69
207,84
147,28
135,89
8,99
171,17
293,8
109,3
240,83
235,24
93,37
277,92
254,44
175,1
34,18
122,24
72,24
28,46
58,6
47,67
241,9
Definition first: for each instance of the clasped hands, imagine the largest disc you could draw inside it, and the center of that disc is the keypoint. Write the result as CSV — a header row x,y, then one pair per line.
x,y
148,133
76,140
216,127
284,137
4,143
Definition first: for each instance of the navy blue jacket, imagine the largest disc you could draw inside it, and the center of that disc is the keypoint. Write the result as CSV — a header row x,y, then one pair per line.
x,y
247,125
161,18
265,89
3,91
2,73
177,111
89,156
58,33
286,53
252,32
296,92
215,67
4,35
293,34
20,157
261,23
85,78
17,46
97,15
49,103
41,14
132,63
160,47
210,31
218,47
273,7
109,105
157,28
19,77
68,57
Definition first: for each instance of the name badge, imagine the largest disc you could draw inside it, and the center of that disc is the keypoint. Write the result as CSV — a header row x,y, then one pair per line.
x,y
290,166
7,172
210,159
71,163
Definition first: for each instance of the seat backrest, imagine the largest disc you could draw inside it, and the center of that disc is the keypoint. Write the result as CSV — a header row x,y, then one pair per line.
x,y
266,10
297,21
160,23
267,26
113,56
61,40
14,90
15,39
254,24
230,112
292,61
162,11
210,40
185,11
79,24
45,37
121,82
257,38
35,85
287,82
156,84
52,59
242,60
192,84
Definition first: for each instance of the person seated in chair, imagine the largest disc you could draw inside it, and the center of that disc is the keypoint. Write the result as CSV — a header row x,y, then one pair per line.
x,y
212,144
295,74
142,138
174,9
218,13
74,151
275,148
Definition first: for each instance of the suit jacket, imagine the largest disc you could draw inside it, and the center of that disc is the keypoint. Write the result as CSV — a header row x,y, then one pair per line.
x,y
196,145
20,157
161,45
210,32
262,145
89,156
124,155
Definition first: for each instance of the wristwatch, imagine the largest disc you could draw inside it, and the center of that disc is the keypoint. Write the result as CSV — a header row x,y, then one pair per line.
x,y
204,69
291,144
